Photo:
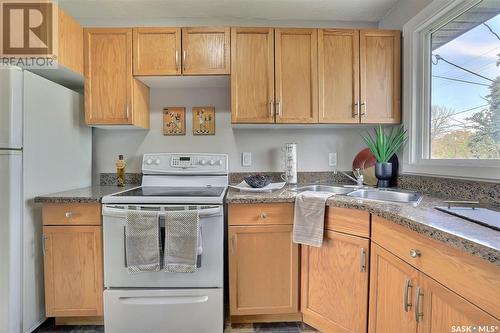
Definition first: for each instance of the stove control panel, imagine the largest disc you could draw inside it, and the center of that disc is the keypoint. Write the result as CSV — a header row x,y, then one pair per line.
x,y
178,163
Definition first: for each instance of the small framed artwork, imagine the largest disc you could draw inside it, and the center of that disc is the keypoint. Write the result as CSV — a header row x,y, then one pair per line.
x,y
174,120
203,120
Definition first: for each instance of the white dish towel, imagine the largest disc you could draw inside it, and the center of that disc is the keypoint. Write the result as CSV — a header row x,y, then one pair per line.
x,y
142,241
309,218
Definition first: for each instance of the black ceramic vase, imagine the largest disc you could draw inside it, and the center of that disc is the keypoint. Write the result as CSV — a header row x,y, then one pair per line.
x,y
383,172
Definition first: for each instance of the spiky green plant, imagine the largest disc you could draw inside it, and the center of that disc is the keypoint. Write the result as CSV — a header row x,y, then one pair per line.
x,y
383,145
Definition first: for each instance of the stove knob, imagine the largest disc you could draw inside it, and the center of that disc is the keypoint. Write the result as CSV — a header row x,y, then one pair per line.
x,y
203,162
212,162
149,161
219,162
157,161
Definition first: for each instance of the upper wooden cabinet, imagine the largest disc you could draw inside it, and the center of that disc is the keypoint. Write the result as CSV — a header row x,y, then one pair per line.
x,y
112,95
296,55
252,78
70,46
380,76
205,51
359,76
338,73
157,51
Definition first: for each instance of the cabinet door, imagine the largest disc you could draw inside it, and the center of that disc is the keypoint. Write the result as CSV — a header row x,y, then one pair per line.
x,y
157,51
380,72
252,75
441,310
108,76
73,271
263,270
392,289
205,51
296,54
334,284
338,67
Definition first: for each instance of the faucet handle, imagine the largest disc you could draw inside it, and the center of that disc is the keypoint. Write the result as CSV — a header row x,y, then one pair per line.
x,y
357,173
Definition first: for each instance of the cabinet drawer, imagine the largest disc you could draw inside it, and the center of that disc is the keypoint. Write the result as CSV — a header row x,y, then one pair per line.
x,y
258,214
72,214
349,221
472,278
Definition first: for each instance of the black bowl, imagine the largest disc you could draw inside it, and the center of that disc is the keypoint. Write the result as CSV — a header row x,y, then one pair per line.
x,y
258,181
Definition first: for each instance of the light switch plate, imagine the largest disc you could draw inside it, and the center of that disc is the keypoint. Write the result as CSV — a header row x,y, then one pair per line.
x,y
332,159
246,159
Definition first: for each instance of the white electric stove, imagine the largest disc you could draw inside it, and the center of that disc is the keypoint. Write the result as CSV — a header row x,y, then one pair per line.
x,y
163,301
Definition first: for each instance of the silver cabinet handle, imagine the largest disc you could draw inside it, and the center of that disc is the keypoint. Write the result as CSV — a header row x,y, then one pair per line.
x,y
407,304
126,109
177,59
278,108
232,244
44,247
365,104
68,215
271,108
418,314
263,215
362,260
356,110
414,253
184,57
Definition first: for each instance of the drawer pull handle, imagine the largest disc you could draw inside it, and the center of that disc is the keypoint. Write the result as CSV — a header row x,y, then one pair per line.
x,y
68,214
362,260
407,303
44,246
263,215
419,314
415,253
233,245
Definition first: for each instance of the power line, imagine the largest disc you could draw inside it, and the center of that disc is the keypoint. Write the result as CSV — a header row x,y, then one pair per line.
x,y
468,110
438,57
491,30
458,80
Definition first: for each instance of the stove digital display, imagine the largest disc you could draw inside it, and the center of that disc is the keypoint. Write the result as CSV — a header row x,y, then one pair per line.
x,y
185,159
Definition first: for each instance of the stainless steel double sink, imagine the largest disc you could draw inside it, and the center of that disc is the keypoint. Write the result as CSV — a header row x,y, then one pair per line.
x,y
387,195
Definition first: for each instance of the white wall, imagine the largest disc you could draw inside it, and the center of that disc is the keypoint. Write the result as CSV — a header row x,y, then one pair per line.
x,y
401,13
264,143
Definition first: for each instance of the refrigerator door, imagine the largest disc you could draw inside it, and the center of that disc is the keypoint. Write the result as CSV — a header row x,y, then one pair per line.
x,y
11,108
10,240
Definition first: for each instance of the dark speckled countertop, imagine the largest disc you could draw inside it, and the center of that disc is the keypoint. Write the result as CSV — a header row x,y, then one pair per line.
x,y
83,195
475,239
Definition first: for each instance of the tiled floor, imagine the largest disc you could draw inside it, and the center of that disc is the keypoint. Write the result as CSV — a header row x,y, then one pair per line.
x,y
49,327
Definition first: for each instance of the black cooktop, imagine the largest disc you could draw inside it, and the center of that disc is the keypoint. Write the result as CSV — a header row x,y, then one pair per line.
x,y
166,191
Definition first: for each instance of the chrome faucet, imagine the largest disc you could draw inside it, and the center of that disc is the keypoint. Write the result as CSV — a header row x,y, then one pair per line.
x,y
358,177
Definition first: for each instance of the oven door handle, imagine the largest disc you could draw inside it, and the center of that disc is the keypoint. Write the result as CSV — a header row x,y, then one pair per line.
x,y
122,211
163,300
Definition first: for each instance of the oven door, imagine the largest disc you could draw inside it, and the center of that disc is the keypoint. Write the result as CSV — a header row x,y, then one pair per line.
x,y
208,275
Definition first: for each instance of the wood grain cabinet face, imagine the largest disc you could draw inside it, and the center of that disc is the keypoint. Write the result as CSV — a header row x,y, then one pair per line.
x,y
112,95
338,68
380,70
205,51
334,283
157,51
263,270
73,271
70,42
296,54
252,75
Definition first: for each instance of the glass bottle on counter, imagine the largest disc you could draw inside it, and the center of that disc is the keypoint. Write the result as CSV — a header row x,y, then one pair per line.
x,y
120,171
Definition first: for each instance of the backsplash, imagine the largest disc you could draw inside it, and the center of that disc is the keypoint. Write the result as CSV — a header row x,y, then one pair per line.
x,y
449,188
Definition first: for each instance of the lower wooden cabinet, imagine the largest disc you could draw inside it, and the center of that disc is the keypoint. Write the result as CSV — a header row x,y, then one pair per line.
x,y
334,283
403,299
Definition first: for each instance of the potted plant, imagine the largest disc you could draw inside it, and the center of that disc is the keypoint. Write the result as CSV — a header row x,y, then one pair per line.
x,y
383,146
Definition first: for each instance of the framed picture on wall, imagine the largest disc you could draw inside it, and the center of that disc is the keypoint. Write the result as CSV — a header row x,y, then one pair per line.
x,y
174,120
203,120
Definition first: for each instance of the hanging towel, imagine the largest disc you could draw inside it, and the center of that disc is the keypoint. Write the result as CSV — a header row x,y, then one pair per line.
x,y
142,247
309,218
182,233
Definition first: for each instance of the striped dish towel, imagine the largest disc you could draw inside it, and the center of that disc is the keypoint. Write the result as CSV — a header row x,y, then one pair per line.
x,y
309,218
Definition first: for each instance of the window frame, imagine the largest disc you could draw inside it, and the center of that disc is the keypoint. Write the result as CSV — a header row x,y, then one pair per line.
x,y
417,92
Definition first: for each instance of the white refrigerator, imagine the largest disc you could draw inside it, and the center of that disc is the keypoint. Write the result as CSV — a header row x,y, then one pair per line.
x,y
45,147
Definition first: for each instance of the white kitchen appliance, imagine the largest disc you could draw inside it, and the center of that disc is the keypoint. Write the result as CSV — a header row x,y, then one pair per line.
x,y
44,147
163,301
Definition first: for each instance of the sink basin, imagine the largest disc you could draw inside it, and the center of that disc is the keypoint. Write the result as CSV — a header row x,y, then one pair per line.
x,y
387,195
325,188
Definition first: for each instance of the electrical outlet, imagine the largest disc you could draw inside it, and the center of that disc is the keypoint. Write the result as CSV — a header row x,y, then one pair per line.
x,y
332,159
246,159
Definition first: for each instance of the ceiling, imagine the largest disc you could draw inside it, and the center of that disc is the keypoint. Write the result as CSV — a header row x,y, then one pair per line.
x,y
92,11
